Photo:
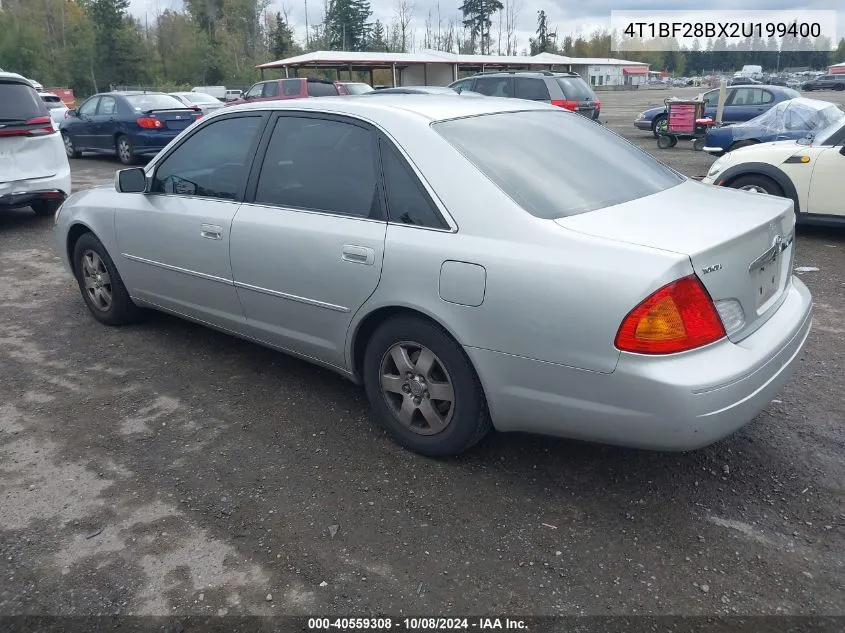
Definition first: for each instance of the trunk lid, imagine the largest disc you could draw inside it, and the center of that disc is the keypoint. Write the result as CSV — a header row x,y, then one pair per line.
x,y
741,244
175,119
27,157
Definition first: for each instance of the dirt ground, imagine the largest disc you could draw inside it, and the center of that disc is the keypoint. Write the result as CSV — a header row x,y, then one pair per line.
x,y
167,469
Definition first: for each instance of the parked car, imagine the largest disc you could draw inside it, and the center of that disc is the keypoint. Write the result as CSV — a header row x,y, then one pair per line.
x,y
38,87
355,87
198,101
825,82
448,254
292,88
744,81
424,90
807,171
55,106
34,170
233,95
742,103
129,124
791,119
565,90
218,92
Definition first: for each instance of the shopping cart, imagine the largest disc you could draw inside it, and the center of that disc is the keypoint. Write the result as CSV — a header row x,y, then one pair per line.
x,y
687,120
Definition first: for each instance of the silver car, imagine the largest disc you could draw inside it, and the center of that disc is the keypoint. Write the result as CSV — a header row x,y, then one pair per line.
x,y
199,101
475,263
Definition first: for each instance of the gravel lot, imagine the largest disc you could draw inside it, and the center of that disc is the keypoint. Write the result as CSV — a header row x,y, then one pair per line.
x,y
168,469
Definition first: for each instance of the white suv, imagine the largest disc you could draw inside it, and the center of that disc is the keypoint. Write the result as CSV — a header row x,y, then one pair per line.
x,y
34,170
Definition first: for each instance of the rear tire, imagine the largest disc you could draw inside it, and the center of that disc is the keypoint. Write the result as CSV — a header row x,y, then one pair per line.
x,y
759,184
698,144
404,393
100,284
44,208
125,150
839,87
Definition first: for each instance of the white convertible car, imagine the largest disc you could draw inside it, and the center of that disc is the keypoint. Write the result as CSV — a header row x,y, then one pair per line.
x,y
809,171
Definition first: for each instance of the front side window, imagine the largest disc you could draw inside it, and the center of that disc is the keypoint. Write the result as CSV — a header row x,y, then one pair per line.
x,y
254,92
407,201
320,165
493,86
554,164
213,162
89,107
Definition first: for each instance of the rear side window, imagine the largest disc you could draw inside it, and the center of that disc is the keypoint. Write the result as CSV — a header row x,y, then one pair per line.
x,y
320,89
271,89
557,164
530,88
575,88
407,201
291,87
19,102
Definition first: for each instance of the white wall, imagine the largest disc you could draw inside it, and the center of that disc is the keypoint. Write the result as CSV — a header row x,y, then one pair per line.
x,y
608,75
431,75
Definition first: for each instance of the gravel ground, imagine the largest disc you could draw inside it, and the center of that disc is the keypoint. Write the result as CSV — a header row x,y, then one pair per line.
x,y
168,469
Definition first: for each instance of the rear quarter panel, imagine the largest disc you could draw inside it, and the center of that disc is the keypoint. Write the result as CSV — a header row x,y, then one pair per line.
x,y
551,294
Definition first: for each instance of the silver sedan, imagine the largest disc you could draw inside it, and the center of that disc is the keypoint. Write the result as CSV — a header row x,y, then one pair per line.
x,y
475,263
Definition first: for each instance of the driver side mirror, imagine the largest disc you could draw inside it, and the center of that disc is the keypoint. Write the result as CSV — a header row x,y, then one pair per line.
x,y
133,180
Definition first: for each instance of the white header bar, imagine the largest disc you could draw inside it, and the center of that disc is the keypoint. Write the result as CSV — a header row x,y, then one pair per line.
x,y
791,29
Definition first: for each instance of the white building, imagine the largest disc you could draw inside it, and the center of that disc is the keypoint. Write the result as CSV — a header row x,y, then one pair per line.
x,y
437,68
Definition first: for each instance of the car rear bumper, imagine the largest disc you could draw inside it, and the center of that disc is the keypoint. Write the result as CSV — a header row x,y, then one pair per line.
x,y
21,193
674,403
153,142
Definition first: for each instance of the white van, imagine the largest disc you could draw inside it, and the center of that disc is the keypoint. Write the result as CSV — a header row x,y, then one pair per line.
x,y
218,92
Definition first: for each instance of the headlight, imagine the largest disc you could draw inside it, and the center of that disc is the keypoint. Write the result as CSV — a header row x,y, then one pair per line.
x,y
640,116
719,165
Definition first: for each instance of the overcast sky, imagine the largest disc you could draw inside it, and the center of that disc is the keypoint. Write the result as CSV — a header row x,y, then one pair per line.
x,y
567,17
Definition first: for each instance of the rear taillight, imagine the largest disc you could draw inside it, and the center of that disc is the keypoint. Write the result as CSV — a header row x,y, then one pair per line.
x,y
678,317
566,105
150,123
44,126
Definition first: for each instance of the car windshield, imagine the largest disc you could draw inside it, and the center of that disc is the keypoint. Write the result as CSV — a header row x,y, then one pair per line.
x,y
358,89
575,88
822,136
148,102
556,164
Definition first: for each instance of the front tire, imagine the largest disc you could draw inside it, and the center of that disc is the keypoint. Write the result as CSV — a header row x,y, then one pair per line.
x,y
423,389
839,87
70,146
660,125
758,184
101,285
125,150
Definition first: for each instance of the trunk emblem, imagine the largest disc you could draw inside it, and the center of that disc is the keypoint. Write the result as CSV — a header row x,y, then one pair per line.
x,y
711,269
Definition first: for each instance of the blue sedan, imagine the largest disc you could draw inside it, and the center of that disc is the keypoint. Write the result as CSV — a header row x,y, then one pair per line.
x,y
128,124
788,120
742,103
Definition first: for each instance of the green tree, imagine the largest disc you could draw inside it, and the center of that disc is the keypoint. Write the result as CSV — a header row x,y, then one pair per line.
x,y
545,40
346,24
378,37
477,19
282,43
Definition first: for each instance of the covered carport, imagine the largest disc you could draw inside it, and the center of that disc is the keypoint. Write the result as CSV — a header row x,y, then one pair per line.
x,y
425,68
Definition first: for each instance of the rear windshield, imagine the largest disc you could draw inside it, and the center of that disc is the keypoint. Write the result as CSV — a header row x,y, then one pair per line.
x,y
19,102
556,164
148,102
198,97
575,88
52,102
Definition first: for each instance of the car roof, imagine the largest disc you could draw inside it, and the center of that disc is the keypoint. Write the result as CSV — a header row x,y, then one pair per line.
x,y
528,73
15,77
425,106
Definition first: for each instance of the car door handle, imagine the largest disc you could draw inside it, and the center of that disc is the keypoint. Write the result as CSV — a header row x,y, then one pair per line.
x,y
358,255
212,232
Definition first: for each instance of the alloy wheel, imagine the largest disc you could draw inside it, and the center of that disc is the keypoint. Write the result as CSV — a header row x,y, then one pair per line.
x,y
124,151
97,281
753,188
417,388
69,150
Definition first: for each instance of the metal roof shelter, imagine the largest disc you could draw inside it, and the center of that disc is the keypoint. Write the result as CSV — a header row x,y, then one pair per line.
x,y
430,60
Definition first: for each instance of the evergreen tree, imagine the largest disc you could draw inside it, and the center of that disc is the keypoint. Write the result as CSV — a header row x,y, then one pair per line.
x,y
346,24
544,42
478,20
281,41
